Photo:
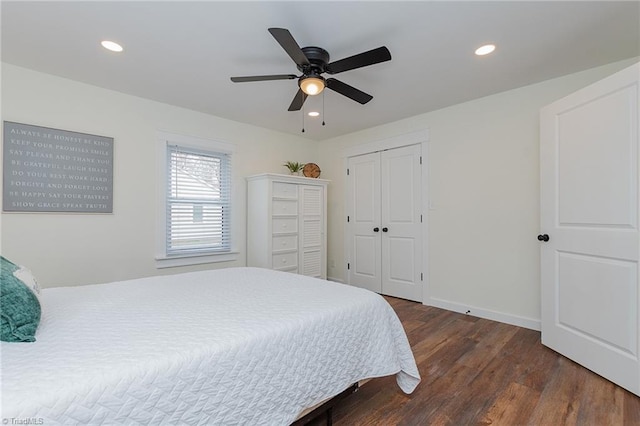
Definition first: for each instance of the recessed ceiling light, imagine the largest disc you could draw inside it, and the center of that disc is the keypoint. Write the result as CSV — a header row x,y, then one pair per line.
x,y
314,114
111,45
485,50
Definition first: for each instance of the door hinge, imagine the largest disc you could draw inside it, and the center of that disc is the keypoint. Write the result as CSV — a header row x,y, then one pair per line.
x,y
421,159
347,218
347,172
348,266
421,277
420,218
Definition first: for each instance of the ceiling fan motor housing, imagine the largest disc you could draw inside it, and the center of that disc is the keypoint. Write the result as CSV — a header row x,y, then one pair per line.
x,y
318,60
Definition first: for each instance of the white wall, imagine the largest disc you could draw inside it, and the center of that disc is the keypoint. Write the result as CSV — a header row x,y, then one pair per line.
x,y
484,190
72,249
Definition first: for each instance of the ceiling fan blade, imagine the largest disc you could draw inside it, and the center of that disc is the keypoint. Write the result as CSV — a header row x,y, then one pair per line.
x,y
364,59
298,101
263,78
289,44
348,91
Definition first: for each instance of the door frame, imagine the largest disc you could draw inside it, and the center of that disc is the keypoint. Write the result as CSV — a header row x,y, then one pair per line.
x,y
414,138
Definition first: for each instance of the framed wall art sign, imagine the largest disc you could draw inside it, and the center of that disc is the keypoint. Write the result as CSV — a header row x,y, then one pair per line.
x,y
52,170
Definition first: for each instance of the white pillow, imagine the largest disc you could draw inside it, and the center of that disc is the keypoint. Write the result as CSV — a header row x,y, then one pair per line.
x,y
25,275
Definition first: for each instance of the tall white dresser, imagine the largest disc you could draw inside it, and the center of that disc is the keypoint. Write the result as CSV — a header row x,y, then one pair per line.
x,y
287,223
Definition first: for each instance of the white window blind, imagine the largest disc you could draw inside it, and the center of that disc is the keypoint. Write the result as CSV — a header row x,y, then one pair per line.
x,y
198,201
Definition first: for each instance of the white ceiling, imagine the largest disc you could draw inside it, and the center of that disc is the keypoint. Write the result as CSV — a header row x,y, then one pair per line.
x,y
183,53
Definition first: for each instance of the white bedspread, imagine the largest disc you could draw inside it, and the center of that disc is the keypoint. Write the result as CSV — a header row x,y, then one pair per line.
x,y
238,346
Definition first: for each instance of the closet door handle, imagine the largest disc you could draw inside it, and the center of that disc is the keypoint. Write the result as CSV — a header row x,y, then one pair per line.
x,y
376,229
385,229
543,237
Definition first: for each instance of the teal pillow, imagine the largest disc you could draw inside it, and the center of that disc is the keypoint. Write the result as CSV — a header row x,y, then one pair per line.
x,y
19,307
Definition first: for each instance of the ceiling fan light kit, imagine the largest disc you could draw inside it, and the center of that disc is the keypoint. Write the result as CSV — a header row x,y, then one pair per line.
x,y
313,62
312,85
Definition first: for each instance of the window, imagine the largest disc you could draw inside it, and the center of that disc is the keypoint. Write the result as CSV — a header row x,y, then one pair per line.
x,y
195,216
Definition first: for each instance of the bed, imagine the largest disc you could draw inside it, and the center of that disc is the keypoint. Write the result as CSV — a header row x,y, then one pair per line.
x,y
236,346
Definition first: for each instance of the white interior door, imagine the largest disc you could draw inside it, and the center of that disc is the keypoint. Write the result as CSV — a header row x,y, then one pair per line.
x,y
589,210
363,192
384,228
401,223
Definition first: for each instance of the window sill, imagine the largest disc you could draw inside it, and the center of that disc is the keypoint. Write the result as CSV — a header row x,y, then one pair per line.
x,y
199,259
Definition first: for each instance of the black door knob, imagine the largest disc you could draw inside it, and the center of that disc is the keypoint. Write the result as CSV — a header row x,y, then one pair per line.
x,y
385,229
543,237
376,229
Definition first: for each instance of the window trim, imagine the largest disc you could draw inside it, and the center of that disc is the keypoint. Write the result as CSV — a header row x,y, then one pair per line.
x,y
162,260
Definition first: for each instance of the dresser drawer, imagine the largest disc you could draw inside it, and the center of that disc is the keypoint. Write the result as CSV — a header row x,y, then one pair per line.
x,y
282,207
285,260
285,190
284,242
284,225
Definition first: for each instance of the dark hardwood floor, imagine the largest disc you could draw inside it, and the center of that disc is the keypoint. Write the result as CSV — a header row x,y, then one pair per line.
x,y
480,372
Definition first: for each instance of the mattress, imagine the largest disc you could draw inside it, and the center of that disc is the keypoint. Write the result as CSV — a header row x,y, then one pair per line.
x,y
237,346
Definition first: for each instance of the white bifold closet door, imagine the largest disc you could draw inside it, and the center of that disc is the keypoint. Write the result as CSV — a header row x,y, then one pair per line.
x,y
384,222
589,227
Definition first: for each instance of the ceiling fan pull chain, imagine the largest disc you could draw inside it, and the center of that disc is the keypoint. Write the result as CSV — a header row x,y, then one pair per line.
x,y
323,108
302,118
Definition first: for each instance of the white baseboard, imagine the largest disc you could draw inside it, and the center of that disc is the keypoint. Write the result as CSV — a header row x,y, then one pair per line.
x,y
530,323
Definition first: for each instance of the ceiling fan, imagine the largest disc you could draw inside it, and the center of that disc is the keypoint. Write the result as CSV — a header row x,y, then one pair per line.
x,y
313,62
